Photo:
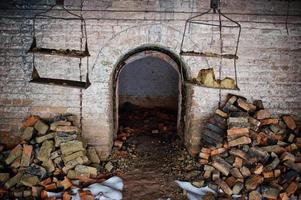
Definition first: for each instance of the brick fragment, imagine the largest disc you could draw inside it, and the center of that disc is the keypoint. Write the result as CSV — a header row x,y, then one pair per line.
x,y
67,129
236,173
268,174
291,189
217,151
37,170
30,121
16,164
14,180
245,105
44,137
237,188
54,125
45,150
204,155
253,182
234,133
82,169
269,192
66,183
60,138
71,147
26,155
245,171
73,156
14,154
287,156
240,141
41,127
29,180
221,165
92,155
27,133
51,186
221,113
262,114
254,124
283,196
46,181
258,169
71,164
290,122
238,162
254,195
36,191
224,186
49,165
269,121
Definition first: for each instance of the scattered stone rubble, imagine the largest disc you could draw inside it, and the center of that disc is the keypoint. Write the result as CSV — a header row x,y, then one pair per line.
x,y
50,156
247,151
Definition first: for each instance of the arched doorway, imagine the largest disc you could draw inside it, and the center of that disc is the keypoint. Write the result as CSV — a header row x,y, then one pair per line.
x,y
162,55
147,152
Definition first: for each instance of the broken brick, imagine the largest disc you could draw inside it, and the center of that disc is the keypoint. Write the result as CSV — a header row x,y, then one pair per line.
x,y
269,192
253,181
221,165
27,133
66,183
54,125
240,141
262,114
291,189
71,147
67,129
45,150
41,127
30,121
290,122
29,180
14,180
245,105
269,121
92,155
254,195
82,169
14,154
26,155
73,156
44,137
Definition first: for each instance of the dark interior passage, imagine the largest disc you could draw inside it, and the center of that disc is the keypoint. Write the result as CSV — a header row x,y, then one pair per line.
x,y
149,82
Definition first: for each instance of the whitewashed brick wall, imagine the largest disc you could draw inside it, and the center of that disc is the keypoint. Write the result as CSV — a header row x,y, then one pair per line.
x,y
268,65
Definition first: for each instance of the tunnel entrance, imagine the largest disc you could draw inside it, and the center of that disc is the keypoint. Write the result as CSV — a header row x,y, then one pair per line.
x,y
149,107
148,91
151,79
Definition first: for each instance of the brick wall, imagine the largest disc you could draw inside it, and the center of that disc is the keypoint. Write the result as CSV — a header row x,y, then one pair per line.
x,y
268,65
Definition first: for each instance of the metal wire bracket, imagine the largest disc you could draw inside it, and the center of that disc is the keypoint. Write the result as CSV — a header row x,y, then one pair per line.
x,y
214,8
34,49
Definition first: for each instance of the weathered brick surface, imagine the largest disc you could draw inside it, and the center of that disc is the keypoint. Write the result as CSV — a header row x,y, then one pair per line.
x,y
268,65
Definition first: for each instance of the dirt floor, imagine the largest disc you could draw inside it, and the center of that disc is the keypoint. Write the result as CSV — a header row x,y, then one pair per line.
x,y
153,156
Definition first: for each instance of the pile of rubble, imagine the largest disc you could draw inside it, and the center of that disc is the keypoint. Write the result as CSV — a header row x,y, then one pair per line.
x,y
248,152
50,156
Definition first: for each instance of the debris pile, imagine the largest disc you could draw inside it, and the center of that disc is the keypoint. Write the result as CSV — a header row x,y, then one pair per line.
x,y
246,151
206,77
50,156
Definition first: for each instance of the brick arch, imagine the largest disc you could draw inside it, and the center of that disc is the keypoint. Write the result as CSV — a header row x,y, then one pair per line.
x,y
98,113
158,52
